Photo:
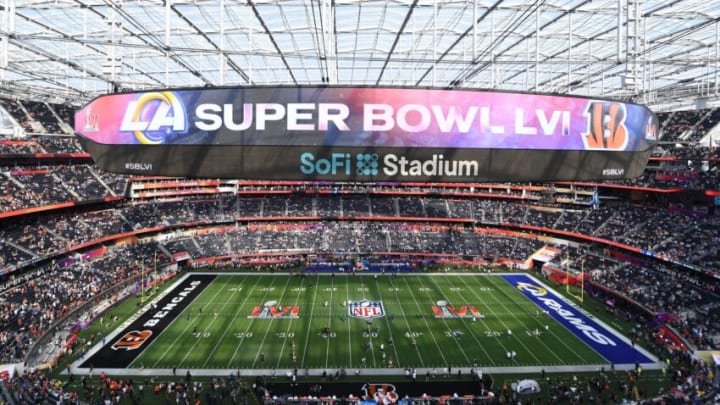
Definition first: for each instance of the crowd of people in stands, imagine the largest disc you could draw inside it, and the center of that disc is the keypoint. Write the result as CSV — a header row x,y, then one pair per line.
x,y
25,187
673,178
29,307
39,117
49,144
687,126
36,387
688,237
693,153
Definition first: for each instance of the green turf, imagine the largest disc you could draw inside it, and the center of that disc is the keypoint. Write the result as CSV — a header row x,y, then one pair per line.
x,y
226,339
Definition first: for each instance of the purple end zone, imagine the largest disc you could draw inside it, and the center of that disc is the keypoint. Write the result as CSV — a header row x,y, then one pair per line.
x,y
603,341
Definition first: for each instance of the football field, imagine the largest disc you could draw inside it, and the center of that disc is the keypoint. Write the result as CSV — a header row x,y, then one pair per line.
x,y
323,321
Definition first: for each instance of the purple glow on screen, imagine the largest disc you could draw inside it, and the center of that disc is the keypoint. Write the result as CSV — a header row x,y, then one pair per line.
x,y
367,117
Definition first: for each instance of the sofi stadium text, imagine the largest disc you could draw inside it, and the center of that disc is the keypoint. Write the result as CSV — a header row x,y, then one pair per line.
x,y
392,165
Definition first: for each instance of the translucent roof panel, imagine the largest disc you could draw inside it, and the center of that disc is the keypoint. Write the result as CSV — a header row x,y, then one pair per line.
x,y
661,53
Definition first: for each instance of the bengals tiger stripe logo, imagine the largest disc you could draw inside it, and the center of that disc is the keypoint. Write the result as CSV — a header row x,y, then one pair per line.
x,y
380,393
606,128
132,340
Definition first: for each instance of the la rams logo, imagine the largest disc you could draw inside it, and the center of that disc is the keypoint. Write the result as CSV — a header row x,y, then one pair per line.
x,y
606,128
153,116
132,340
533,289
380,393
366,309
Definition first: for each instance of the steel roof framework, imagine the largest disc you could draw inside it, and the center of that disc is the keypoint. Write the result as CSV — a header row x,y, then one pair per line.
x,y
661,53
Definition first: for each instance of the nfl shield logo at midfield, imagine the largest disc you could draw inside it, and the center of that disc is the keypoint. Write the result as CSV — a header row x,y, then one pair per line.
x,y
366,309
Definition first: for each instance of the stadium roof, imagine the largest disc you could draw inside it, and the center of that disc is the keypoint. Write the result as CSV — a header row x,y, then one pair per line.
x,y
660,53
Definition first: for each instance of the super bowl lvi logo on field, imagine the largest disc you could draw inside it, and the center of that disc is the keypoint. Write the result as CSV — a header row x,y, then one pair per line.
x,y
366,309
271,310
443,309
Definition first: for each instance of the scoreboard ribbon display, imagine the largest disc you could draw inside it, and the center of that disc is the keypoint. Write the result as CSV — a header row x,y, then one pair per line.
x,y
366,134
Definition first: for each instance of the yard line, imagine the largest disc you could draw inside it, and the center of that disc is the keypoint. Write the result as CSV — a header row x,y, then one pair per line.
x,y
387,323
514,336
239,307
563,342
309,322
290,323
365,294
462,350
181,335
369,329
480,345
347,292
252,321
429,329
327,347
497,339
197,340
407,322
267,331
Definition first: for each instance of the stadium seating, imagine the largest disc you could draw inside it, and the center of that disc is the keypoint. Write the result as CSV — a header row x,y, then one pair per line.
x,y
318,222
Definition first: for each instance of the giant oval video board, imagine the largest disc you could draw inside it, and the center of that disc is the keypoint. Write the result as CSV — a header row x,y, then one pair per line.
x,y
366,134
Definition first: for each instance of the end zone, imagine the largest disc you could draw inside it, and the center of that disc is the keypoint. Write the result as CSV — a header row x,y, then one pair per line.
x,y
125,346
607,342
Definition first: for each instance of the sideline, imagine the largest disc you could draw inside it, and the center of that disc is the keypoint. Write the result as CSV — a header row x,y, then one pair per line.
x,y
76,368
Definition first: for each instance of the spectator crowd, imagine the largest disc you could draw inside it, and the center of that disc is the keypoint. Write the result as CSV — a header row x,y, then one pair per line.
x,y
41,285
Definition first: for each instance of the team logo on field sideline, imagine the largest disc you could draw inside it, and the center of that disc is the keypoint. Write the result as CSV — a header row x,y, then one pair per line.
x,y
443,309
380,393
562,311
271,310
132,340
366,309
533,289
